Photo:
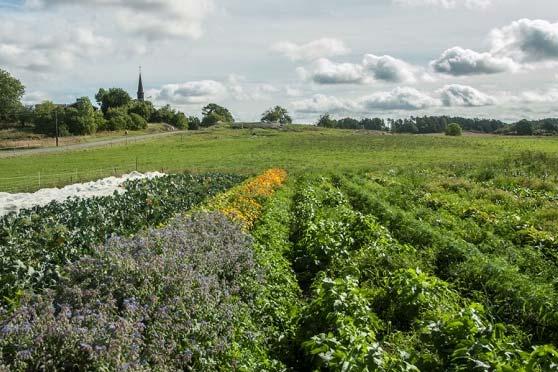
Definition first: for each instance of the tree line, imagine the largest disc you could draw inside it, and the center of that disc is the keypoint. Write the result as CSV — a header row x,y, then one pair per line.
x,y
116,111
440,124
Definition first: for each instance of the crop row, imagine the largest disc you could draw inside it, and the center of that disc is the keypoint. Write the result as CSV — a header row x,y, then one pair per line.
x,y
244,203
480,271
375,304
36,243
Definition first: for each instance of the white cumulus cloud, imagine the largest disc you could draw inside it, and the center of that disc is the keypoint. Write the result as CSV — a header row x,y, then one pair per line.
x,y
462,95
320,103
458,61
325,47
389,69
526,41
400,98
324,71
193,92
23,49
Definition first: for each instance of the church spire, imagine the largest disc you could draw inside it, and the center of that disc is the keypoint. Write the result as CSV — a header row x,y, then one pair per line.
x,y
141,95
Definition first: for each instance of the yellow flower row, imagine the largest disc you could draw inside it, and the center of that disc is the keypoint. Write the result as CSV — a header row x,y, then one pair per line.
x,y
244,202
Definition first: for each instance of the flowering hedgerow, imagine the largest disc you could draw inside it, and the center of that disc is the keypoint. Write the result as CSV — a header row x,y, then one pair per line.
x,y
244,202
176,298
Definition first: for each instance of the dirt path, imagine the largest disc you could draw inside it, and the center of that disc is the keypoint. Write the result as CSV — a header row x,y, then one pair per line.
x,y
78,146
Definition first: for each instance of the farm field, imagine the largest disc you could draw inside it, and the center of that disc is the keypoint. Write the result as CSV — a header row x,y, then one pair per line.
x,y
298,150
430,268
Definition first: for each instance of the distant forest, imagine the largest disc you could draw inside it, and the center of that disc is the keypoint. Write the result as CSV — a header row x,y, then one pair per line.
x,y
439,124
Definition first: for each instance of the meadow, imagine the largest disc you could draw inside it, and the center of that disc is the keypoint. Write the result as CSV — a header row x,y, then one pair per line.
x,y
317,250
247,151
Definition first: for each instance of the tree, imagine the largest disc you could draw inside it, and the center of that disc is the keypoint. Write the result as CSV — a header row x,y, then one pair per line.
x,y
348,123
404,126
454,130
80,118
325,121
179,121
211,119
373,124
163,115
118,119
45,118
213,114
11,91
144,109
112,98
138,122
194,123
276,114
524,128
26,115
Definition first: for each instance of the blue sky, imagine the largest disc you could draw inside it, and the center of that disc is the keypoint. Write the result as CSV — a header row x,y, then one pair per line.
x,y
494,58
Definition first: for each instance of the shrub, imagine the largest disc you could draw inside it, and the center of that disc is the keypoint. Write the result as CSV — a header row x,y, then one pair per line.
x,y
143,108
454,130
179,120
118,119
193,123
138,122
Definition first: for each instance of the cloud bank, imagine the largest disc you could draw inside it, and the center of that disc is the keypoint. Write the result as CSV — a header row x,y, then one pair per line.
x,y
153,19
398,99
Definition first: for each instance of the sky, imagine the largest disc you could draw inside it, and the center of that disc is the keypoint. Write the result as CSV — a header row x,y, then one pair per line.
x,y
358,58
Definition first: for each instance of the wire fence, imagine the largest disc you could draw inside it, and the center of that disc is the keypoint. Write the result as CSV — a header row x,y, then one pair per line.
x,y
40,180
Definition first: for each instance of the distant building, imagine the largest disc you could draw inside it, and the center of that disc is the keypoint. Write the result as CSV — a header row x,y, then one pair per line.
x,y
141,95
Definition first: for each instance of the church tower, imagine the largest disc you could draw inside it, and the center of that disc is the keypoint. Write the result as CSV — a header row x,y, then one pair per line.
x,y
141,95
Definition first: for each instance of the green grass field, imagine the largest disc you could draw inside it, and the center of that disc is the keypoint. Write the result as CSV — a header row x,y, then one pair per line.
x,y
251,150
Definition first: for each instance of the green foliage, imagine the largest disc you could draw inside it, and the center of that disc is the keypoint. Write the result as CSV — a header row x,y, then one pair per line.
x,y
194,123
524,128
163,115
118,119
325,121
276,114
144,109
404,126
373,124
112,98
213,114
278,304
211,119
168,115
453,130
81,118
376,304
36,243
179,121
45,118
11,92
138,122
